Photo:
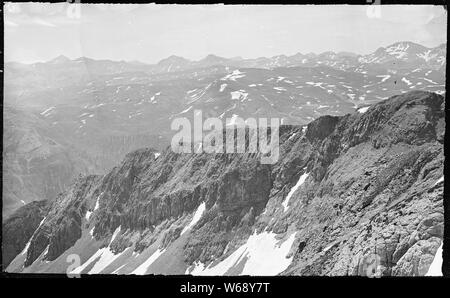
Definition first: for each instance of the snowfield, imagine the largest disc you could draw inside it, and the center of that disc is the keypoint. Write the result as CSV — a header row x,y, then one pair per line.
x,y
102,258
142,269
262,254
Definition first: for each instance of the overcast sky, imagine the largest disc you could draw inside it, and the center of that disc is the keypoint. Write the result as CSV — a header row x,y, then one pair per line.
x,y
148,33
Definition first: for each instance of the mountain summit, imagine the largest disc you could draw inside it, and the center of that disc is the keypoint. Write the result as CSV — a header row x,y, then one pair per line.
x,y
60,60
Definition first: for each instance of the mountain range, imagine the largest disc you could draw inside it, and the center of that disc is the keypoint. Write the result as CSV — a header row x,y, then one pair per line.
x,y
69,117
396,56
346,188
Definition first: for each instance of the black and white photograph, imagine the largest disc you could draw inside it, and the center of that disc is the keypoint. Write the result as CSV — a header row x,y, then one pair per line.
x,y
223,140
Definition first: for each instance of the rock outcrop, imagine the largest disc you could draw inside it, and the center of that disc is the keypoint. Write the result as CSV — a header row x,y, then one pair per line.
x,y
19,227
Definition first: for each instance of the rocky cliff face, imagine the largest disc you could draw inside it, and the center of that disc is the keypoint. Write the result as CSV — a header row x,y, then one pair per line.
x,y
19,228
345,189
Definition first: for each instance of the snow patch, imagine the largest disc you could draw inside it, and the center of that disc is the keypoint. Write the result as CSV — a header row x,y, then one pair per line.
x,y
97,106
430,81
186,110
279,88
197,215
97,203
104,255
106,258
263,254
363,110
399,50
436,266
304,128
240,94
439,180
88,215
142,269
384,78
47,111
25,250
118,269
426,55
319,84
406,81
236,74
300,181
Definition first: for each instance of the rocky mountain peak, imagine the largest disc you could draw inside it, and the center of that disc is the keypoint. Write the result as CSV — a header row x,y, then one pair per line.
x,y
173,59
212,59
60,60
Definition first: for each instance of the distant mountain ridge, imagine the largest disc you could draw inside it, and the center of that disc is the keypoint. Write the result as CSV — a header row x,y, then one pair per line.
x,y
404,51
408,53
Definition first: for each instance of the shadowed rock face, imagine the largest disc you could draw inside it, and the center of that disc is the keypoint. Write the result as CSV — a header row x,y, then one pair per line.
x,y
19,227
373,188
63,226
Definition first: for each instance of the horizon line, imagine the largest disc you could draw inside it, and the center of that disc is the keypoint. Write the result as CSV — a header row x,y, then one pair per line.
x,y
211,54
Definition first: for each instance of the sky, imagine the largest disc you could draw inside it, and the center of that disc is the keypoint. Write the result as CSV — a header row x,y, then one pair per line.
x,y
148,33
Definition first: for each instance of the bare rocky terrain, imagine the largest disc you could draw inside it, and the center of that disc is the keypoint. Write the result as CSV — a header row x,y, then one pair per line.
x,y
346,188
